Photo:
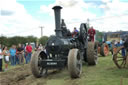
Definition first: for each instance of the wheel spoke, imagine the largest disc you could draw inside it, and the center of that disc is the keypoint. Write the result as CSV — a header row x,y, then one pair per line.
x,y
122,63
119,53
41,70
120,59
78,65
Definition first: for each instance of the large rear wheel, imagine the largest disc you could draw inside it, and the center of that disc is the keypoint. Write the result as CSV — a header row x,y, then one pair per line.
x,y
92,53
36,68
74,63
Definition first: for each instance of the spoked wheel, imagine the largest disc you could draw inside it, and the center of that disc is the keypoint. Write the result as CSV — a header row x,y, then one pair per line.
x,y
92,53
74,63
119,60
36,68
104,51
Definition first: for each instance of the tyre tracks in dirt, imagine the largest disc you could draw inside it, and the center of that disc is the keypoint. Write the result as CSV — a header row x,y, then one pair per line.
x,y
20,75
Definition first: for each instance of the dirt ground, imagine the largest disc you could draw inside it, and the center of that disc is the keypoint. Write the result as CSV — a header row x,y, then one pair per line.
x,y
22,75
16,76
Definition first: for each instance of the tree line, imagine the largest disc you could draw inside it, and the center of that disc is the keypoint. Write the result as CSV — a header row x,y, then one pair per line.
x,y
8,41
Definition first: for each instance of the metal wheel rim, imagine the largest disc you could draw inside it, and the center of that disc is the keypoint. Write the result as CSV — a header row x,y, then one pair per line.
x,y
106,50
79,63
42,71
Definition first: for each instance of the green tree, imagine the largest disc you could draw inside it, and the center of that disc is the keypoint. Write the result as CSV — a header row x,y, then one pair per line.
x,y
16,40
8,41
31,39
4,40
43,40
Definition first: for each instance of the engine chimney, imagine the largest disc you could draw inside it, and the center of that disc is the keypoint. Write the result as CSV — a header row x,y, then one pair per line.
x,y
57,11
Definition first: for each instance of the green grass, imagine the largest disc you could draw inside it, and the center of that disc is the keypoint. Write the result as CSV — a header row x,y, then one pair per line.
x,y
9,65
104,73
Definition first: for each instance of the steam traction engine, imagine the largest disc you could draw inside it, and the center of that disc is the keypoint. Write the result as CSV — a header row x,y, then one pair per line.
x,y
64,50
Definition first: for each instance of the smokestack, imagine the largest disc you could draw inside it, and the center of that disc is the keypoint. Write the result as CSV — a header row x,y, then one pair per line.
x,y
57,11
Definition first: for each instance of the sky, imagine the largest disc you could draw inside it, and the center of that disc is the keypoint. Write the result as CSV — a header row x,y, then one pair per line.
x,y
24,17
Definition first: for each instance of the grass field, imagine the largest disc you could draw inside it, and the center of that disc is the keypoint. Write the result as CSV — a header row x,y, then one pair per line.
x,y
104,73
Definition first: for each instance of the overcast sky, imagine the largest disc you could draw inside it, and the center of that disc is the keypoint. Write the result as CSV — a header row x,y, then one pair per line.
x,y
23,17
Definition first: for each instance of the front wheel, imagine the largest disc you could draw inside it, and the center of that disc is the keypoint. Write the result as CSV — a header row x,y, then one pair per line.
x,y
36,68
74,63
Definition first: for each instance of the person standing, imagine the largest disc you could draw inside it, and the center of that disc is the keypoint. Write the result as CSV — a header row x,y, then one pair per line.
x,y
1,58
13,55
20,56
91,33
25,52
126,46
40,47
17,58
29,53
6,57
36,48
118,44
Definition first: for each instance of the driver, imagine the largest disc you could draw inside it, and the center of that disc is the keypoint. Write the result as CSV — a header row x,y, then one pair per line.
x,y
75,32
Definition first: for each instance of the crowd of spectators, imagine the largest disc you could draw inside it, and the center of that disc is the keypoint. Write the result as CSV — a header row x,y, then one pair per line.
x,y
15,55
